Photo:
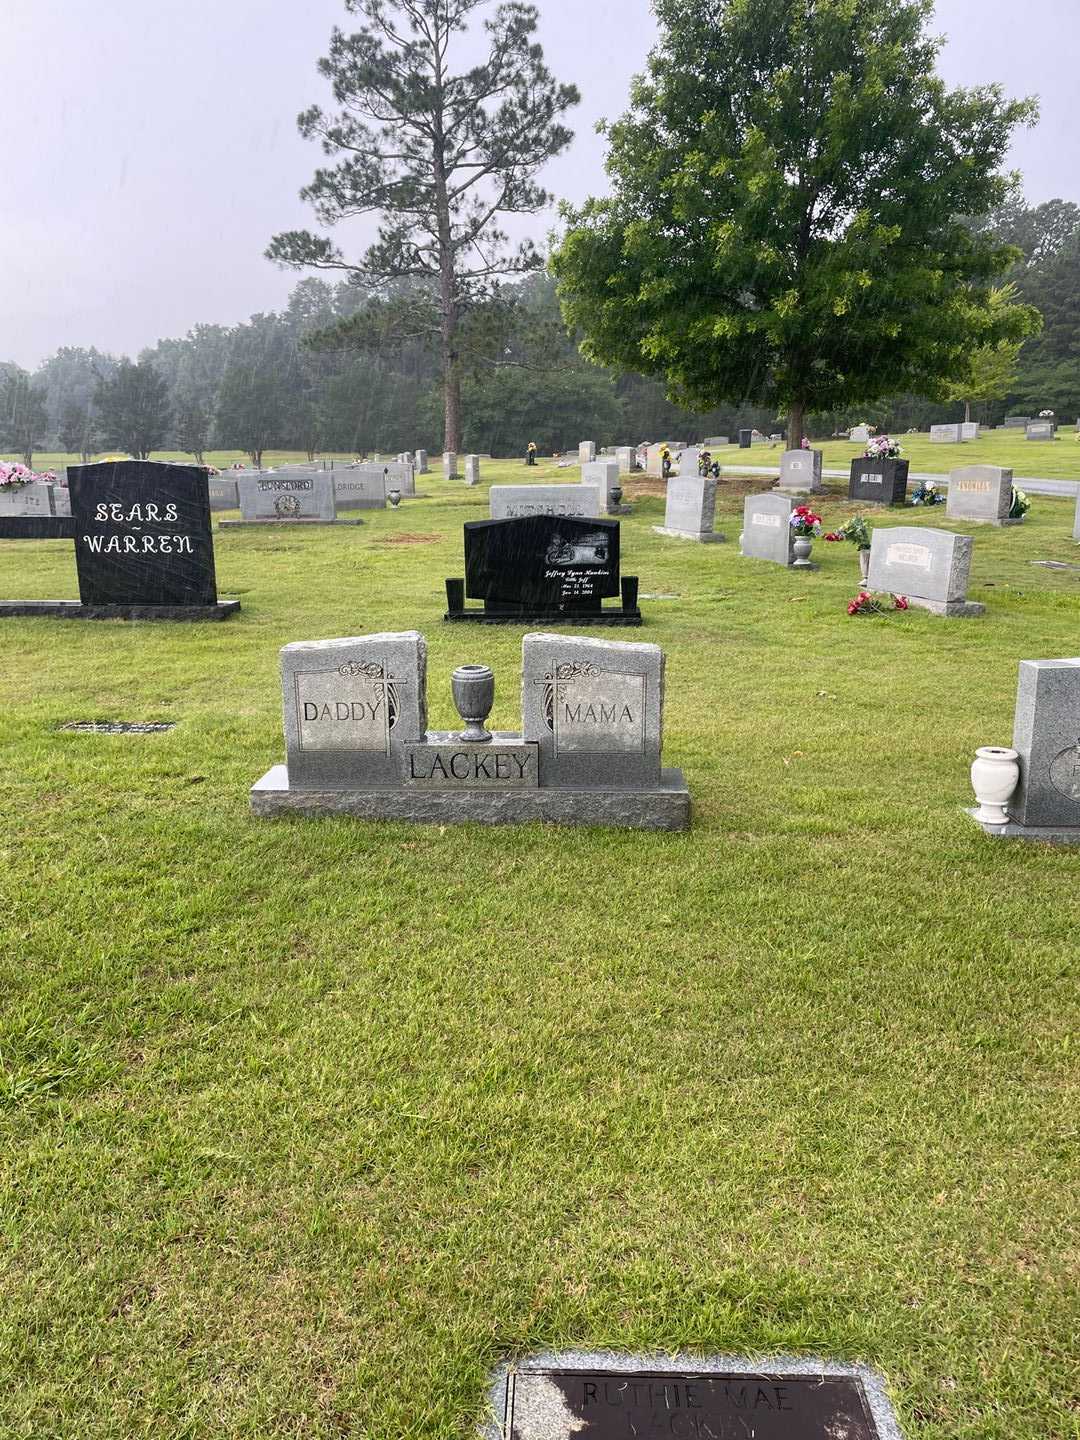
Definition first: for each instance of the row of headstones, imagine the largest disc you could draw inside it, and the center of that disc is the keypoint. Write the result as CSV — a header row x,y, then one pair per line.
x,y
450,467
355,714
597,494
957,434
297,493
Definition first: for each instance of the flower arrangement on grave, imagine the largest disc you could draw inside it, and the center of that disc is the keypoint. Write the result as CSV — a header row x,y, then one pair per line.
x,y
14,476
1020,504
881,447
805,525
927,493
805,442
211,470
867,603
856,531
1046,414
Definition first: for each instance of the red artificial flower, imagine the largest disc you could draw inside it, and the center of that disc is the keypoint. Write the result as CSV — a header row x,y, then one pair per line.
x,y
901,602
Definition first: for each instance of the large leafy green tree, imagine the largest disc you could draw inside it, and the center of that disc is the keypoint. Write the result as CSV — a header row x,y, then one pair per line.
x,y
785,219
439,154
992,369
259,388
24,415
133,409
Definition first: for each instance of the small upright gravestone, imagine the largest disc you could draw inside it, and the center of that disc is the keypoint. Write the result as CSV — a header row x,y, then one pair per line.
x,y
421,462
472,470
767,528
604,476
586,452
981,494
143,545
357,741
878,481
1047,736
62,500
223,493
930,567
1039,430
449,465
969,430
627,458
691,510
859,434
1076,518
1017,422
800,473
946,434
689,460
746,439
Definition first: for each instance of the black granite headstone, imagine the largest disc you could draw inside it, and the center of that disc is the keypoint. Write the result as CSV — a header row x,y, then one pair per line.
x,y
142,534
609,1405
542,567
878,482
746,439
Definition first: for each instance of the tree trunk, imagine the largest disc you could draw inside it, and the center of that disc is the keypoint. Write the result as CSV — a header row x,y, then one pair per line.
x,y
448,300
255,457
451,401
795,424
28,457
967,412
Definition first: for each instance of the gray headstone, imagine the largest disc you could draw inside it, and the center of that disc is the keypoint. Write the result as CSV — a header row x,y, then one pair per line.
x,y
714,442
604,475
361,487
860,434
627,458
350,706
278,496
449,465
62,500
1040,430
421,462
1047,735
767,528
586,452
595,708
800,472
224,493
472,469
969,430
510,502
1017,422
1076,520
691,508
34,499
930,567
980,493
945,434
688,460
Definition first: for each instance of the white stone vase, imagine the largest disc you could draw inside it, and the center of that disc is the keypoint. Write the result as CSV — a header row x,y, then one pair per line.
x,y
994,778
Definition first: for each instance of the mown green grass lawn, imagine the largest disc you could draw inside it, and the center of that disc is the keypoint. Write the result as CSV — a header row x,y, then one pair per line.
x,y
305,1126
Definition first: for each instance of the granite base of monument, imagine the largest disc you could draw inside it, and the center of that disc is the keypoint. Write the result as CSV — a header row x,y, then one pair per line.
x,y
712,537
495,612
1043,834
37,527
76,610
667,807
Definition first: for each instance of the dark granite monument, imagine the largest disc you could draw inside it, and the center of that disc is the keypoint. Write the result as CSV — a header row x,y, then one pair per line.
x,y
878,482
143,545
543,567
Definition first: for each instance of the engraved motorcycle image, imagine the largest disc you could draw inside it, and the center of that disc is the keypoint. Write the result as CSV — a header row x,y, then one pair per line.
x,y
587,550
286,506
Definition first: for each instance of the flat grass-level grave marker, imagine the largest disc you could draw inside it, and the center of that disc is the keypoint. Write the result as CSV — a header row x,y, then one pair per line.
x,y
614,1398
930,567
143,546
588,753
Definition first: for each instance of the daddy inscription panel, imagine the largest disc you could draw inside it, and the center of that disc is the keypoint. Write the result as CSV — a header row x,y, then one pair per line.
x,y
142,534
642,1405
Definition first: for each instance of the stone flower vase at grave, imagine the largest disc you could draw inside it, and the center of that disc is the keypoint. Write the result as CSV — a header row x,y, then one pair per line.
x,y
473,689
394,496
864,565
994,778
802,546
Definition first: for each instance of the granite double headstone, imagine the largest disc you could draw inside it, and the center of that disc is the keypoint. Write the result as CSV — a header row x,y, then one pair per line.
x,y
930,567
946,434
1046,735
981,494
286,497
1039,430
511,502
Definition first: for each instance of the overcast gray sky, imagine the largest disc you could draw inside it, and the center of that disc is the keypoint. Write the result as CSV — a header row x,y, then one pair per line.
x,y
150,147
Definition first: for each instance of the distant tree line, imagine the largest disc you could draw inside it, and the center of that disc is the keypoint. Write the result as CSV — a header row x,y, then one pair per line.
x,y
304,380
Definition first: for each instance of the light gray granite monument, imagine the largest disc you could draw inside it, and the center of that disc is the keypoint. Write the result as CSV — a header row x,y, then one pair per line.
x,y
283,498
421,462
969,430
510,502
449,465
361,487
1046,756
767,528
1076,519
589,754
627,458
224,494
604,476
31,501
981,494
61,498
586,452
472,469
930,567
800,473
1039,430
1016,422
568,1395
859,434
946,434
688,460
690,513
